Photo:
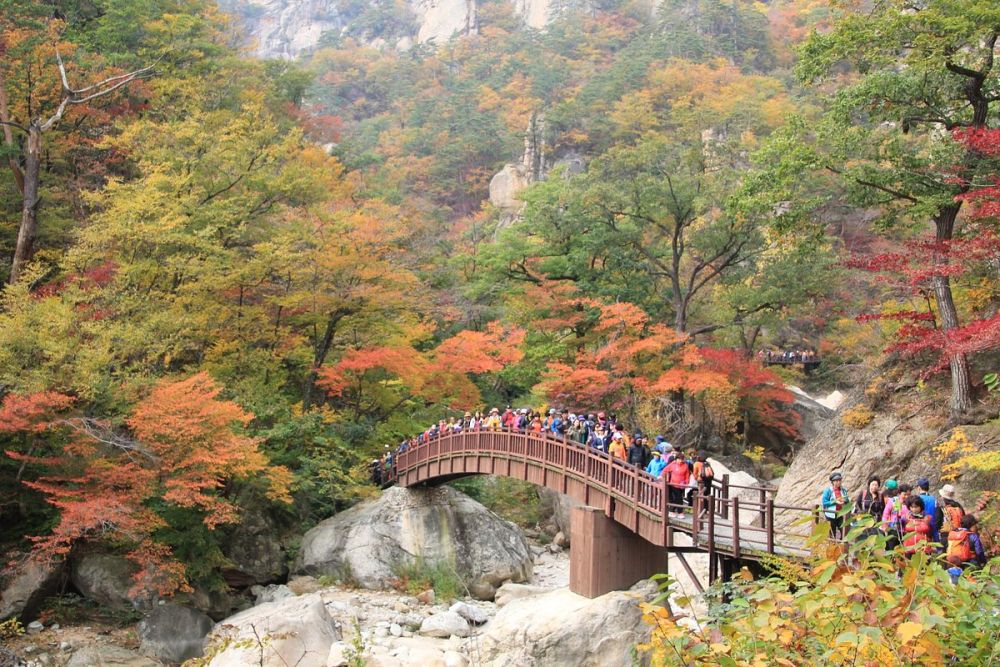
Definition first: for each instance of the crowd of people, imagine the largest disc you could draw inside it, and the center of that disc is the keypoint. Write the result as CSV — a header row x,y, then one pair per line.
x,y
907,515
685,472
796,356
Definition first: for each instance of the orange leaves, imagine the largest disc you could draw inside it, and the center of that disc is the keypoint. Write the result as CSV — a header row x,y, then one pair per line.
x,y
440,375
189,445
194,435
481,351
31,412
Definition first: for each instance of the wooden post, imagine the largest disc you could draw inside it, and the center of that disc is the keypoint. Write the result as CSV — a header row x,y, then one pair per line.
x,y
635,497
769,524
762,497
725,496
736,526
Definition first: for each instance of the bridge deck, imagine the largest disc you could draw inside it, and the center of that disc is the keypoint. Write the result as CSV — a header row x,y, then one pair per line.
x,y
733,520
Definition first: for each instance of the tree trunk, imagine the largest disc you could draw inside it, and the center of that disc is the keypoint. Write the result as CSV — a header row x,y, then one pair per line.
x,y
29,208
961,384
322,347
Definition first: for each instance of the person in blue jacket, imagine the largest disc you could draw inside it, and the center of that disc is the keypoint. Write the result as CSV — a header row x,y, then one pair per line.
x,y
930,506
834,500
656,466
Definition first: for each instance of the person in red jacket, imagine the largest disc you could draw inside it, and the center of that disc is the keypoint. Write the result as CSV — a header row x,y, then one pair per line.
x,y
678,476
919,529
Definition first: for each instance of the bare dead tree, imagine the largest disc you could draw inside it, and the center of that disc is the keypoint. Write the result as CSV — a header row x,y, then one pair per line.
x,y
28,176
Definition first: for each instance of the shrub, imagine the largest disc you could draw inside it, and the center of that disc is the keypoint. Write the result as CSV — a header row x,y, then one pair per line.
x,y
857,417
419,575
863,607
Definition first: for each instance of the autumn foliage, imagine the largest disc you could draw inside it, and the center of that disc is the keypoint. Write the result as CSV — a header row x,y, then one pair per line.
x,y
183,448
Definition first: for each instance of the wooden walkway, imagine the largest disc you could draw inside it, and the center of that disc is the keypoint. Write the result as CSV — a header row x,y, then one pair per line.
x,y
738,522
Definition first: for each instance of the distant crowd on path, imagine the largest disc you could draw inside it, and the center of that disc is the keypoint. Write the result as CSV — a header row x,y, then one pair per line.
x,y
909,516
684,472
796,356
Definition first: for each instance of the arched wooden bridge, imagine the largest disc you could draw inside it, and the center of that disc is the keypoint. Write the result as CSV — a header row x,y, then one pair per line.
x,y
732,525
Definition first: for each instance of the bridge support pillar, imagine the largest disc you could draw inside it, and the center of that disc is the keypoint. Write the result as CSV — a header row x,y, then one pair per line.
x,y
605,556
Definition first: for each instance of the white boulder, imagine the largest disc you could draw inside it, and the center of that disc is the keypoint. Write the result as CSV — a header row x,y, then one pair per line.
x,y
298,631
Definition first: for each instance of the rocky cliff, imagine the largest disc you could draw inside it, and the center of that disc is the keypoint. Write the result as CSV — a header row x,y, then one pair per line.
x,y
287,28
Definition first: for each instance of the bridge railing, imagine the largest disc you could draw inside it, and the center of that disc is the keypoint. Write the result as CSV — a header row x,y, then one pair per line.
x,y
740,515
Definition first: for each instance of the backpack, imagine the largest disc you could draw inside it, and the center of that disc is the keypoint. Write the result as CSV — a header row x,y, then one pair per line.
x,y
959,547
706,471
952,518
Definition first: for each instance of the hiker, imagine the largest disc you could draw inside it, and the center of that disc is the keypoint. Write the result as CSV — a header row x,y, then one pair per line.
x,y
930,506
834,500
493,423
678,476
617,449
949,513
964,546
657,465
918,528
703,474
376,472
635,454
870,500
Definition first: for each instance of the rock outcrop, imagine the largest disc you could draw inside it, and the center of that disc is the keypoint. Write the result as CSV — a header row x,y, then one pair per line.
x,y
298,631
173,633
562,628
104,578
372,540
440,20
284,28
26,589
506,184
255,552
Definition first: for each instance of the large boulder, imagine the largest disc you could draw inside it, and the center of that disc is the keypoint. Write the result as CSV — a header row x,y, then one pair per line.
x,y
298,631
506,184
371,541
25,590
445,624
174,633
255,552
104,578
563,628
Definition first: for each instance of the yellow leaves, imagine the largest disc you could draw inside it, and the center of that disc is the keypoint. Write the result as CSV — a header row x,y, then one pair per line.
x,y
908,630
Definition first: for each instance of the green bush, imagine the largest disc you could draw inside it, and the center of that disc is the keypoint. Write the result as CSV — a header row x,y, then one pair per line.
x,y
419,575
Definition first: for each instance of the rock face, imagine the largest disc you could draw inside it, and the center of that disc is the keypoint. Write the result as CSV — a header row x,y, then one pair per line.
x,y
24,592
173,633
255,552
283,28
562,628
104,578
370,541
505,185
535,13
298,631
440,20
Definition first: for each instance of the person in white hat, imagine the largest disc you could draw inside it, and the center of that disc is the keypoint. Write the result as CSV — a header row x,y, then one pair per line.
x,y
949,512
